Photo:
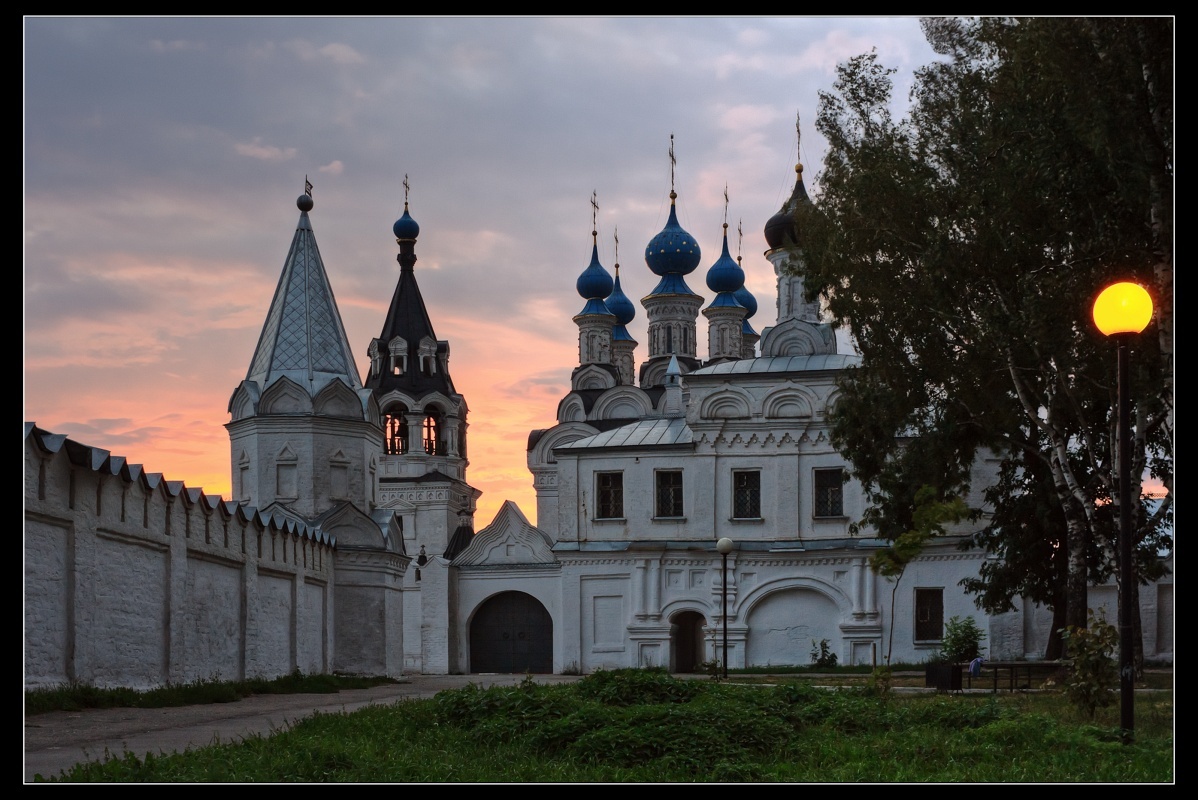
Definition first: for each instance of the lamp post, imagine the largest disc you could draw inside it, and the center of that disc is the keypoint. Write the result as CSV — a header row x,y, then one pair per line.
x,y
724,546
1122,310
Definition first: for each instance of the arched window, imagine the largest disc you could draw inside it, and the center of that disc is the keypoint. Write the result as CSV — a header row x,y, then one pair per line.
x,y
434,444
395,431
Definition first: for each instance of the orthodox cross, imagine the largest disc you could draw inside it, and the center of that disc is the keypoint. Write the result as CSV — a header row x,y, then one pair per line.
x,y
594,214
673,163
616,236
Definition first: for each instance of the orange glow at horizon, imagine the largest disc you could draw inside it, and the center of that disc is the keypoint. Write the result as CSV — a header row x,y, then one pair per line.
x,y
194,447
172,422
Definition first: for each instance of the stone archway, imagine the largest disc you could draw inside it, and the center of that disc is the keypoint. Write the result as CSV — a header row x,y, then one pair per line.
x,y
511,632
686,641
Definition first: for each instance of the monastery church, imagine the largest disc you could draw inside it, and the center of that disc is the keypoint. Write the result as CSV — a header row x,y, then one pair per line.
x,y
350,545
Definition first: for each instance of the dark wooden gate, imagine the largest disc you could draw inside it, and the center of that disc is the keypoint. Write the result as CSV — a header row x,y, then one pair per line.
x,y
511,632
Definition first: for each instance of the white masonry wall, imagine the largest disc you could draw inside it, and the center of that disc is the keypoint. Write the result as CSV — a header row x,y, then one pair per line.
x,y
137,582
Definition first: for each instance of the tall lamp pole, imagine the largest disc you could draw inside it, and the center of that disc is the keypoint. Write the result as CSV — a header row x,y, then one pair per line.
x,y
724,546
1123,310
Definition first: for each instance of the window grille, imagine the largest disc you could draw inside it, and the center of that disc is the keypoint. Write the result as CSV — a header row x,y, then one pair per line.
x,y
746,495
669,493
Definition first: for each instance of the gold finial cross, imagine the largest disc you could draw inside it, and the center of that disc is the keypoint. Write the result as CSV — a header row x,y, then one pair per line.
x,y
406,187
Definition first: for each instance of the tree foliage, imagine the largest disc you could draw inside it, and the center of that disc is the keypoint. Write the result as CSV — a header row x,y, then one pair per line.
x,y
964,245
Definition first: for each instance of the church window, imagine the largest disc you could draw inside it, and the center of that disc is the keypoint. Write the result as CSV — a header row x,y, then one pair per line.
x,y
669,493
829,492
746,494
428,357
929,615
434,444
398,350
610,492
395,431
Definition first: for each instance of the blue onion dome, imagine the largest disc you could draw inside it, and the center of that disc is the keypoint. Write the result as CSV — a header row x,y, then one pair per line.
x,y
594,283
304,203
725,275
782,230
673,250
619,304
746,299
405,227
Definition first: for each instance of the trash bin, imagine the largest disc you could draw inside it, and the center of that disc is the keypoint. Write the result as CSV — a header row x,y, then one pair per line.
x,y
943,677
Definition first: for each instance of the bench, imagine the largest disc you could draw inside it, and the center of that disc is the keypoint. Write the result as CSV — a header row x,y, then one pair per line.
x,y
1013,670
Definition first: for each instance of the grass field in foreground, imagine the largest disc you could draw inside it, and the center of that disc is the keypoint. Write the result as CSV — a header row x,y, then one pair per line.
x,y
647,726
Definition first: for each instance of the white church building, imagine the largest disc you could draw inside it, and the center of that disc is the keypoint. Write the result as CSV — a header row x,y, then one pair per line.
x,y
349,543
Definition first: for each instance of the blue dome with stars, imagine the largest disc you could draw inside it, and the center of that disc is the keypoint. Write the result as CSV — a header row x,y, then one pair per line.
x,y
673,250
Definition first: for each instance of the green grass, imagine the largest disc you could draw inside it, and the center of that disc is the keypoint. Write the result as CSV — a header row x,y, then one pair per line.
x,y
76,697
647,726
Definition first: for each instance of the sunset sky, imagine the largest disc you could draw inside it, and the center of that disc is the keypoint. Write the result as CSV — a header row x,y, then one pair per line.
x,y
163,158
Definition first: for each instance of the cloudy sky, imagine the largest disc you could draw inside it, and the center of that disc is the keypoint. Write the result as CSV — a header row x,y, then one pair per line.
x,y
163,158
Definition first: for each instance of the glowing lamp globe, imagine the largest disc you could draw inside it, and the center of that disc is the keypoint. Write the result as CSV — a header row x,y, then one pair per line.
x,y
1122,308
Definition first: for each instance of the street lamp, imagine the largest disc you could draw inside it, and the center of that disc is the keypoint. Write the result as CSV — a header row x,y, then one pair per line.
x,y
724,546
1122,310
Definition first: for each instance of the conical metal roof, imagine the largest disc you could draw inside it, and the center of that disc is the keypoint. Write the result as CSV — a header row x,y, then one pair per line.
x,y
303,338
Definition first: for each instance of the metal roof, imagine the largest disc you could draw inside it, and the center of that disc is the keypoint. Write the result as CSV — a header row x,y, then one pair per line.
x,y
303,337
775,364
645,433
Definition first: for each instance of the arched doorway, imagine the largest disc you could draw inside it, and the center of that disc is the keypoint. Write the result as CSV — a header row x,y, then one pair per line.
x,y
686,641
511,632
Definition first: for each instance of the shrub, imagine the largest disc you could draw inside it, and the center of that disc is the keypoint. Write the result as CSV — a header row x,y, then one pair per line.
x,y
962,641
821,654
1093,673
629,687
880,681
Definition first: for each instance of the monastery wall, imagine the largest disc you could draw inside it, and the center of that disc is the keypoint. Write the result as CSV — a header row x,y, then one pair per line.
x,y
135,581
